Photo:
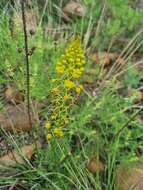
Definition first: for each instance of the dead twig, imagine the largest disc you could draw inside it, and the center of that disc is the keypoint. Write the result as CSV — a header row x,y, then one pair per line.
x,y
27,59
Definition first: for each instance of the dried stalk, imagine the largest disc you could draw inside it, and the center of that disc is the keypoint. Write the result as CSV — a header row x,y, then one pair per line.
x,y
26,59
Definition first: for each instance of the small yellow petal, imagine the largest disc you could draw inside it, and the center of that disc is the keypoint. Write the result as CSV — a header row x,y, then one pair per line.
x,y
49,136
81,69
66,97
58,132
60,69
76,73
78,89
69,84
48,126
54,91
61,134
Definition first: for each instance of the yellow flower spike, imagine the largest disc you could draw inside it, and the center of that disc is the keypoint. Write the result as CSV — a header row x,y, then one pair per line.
x,y
68,70
49,136
69,84
48,125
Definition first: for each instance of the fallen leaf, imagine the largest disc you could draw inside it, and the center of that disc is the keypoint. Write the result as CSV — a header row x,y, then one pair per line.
x,y
94,165
32,18
105,58
15,118
13,95
138,95
73,8
17,157
139,119
129,177
101,58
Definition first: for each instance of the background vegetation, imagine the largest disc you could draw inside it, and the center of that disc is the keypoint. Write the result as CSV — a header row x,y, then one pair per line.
x,y
105,127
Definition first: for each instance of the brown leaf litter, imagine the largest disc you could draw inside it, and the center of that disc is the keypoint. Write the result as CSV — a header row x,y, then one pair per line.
x,y
129,176
13,95
16,119
95,165
74,8
17,157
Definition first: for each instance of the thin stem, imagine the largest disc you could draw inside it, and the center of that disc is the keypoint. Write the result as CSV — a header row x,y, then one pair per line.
x,y
127,123
26,59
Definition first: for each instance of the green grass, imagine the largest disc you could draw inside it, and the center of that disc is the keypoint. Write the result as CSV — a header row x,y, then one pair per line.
x,y
96,120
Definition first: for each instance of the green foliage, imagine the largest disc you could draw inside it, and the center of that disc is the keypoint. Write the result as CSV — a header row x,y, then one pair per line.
x,y
132,77
119,20
115,19
95,120
41,61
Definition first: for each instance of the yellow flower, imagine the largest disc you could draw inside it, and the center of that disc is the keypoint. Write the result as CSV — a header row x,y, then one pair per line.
x,y
83,61
54,91
48,126
53,80
69,84
53,117
81,86
78,60
69,68
59,64
49,136
61,134
66,97
60,69
81,69
76,73
64,61
78,89
58,132
71,60
63,56
68,55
